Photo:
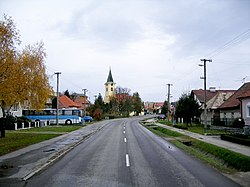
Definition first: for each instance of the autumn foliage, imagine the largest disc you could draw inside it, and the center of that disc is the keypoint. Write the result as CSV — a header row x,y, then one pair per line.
x,y
23,77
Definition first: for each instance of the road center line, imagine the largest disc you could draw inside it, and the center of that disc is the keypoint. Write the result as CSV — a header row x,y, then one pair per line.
x,y
125,140
124,132
127,160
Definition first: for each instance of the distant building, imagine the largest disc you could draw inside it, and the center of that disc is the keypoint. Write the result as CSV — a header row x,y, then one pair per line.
x,y
153,107
109,88
65,102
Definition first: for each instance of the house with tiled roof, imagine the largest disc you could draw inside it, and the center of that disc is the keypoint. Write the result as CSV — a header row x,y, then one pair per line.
x,y
153,107
215,98
243,97
83,102
66,102
238,105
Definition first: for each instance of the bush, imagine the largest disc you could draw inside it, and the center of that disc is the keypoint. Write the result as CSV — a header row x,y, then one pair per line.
x,y
235,160
181,126
240,139
238,123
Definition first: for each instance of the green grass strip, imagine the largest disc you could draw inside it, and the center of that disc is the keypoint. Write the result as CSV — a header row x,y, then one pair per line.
x,y
221,158
233,159
15,141
61,128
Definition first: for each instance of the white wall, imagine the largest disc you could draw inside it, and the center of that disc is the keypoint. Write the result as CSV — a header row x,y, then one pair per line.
x,y
245,110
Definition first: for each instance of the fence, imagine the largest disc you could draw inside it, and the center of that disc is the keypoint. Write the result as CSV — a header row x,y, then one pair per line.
x,y
225,125
27,125
223,122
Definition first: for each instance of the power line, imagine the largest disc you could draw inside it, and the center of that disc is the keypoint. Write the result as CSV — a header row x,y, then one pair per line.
x,y
236,40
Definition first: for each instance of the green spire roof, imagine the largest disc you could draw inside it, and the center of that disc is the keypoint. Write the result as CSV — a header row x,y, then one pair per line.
x,y
110,78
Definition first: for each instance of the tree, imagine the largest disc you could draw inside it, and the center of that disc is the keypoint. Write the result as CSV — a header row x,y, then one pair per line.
x,y
22,74
67,93
187,108
97,109
137,103
164,109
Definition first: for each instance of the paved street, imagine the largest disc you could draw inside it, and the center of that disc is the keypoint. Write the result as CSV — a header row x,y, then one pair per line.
x,y
124,153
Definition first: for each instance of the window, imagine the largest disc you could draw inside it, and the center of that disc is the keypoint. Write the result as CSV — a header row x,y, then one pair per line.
x,y
112,89
225,115
248,109
232,115
15,107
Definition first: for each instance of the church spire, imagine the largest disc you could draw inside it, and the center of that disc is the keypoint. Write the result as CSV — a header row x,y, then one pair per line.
x,y
110,78
109,88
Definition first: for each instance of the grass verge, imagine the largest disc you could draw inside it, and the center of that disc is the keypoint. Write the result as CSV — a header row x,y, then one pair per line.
x,y
54,128
15,141
220,158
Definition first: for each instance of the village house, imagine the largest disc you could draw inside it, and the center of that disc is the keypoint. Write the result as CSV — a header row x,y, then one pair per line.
x,y
215,98
153,107
238,105
66,102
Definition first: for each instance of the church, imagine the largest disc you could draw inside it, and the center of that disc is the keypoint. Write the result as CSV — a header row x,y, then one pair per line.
x,y
109,88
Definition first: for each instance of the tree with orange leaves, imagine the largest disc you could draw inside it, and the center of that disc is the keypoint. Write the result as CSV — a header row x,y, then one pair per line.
x,y
22,74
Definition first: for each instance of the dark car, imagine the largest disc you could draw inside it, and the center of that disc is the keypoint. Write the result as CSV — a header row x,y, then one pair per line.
x,y
162,116
87,119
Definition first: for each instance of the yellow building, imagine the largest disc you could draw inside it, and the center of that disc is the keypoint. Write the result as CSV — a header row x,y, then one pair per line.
x,y
109,88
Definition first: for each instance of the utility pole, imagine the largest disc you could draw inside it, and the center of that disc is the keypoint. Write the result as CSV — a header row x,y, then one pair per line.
x,y
84,107
205,90
57,97
168,100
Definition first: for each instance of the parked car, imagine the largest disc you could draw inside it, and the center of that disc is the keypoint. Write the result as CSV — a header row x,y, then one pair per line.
x,y
162,116
87,119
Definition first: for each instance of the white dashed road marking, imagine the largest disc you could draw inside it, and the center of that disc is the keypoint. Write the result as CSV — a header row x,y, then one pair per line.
x,y
127,161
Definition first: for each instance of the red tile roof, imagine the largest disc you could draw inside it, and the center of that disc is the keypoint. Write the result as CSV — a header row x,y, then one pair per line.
x,y
245,91
233,101
83,102
65,102
210,94
159,104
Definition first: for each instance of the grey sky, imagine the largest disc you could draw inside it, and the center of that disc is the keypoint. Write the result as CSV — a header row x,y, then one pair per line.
x,y
147,43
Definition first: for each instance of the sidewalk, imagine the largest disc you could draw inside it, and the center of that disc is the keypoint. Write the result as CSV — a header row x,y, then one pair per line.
x,y
242,149
24,163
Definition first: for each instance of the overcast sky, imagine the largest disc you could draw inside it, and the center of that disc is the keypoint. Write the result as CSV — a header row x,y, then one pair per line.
x,y
147,43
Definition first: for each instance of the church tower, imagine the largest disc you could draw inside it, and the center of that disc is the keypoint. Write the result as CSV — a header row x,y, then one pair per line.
x,y
109,88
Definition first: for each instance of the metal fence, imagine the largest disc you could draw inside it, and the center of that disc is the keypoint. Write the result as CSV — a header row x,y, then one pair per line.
x,y
223,122
225,125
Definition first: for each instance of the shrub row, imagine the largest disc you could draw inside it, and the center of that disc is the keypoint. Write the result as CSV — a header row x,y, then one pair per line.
x,y
235,160
232,159
168,132
240,139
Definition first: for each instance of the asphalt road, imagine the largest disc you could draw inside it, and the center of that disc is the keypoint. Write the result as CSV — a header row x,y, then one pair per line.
x,y
124,153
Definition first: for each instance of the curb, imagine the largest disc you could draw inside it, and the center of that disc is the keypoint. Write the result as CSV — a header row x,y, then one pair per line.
x,y
60,154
